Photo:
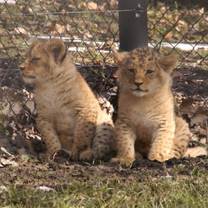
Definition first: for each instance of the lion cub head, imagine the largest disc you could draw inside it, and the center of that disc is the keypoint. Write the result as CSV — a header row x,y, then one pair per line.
x,y
42,58
143,70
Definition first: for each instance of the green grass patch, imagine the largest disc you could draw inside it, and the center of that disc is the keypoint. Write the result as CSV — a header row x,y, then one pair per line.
x,y
102,191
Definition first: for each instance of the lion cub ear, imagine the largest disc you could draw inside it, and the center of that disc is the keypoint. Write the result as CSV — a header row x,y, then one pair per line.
x,y
168,62
120,58
57,48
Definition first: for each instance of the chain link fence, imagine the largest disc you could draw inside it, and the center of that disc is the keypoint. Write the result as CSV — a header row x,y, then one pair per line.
x,y
90,30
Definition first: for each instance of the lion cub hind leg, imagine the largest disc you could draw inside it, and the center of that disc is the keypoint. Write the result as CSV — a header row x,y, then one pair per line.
x,y
125,140
83,134
182,136
103,140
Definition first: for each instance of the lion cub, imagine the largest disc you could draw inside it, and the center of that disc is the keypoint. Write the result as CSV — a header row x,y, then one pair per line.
x,y
147,126
69,115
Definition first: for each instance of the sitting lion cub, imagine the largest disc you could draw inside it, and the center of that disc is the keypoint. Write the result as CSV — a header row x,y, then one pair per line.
x,y
147,126
69,115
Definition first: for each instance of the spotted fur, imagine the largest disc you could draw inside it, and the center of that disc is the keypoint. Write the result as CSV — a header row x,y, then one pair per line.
x,y
69,115
147,126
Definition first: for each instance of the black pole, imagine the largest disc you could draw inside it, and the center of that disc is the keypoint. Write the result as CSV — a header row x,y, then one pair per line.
x,y
132,29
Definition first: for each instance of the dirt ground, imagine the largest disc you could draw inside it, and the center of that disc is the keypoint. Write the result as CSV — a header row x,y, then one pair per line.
x,y
57,173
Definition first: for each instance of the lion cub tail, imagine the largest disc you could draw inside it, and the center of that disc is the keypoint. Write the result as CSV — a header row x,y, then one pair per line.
x,y
195,152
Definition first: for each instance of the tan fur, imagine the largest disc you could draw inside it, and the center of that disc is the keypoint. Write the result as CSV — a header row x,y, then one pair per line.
x,y
147,126
69,115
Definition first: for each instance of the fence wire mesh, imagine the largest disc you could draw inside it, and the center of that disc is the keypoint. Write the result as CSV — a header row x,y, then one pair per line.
x,y
90,30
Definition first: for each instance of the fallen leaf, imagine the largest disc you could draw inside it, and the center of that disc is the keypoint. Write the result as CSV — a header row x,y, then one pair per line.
x,y
92,5
200,116
6,162
6,152
20,30
168,35
187,107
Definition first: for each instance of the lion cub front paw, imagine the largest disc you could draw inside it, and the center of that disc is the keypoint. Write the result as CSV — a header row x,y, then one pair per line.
x,y
86,155
75,152
123,161
64,153
159,157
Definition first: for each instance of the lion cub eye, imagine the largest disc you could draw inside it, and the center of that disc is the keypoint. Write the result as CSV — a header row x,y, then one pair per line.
x,y
148,72
131,71
33,59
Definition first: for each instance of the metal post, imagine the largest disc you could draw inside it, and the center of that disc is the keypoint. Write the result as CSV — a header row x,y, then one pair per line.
x,y
133,24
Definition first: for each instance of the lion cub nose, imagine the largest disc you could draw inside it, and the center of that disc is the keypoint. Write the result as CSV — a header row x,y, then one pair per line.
x,y
138,84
